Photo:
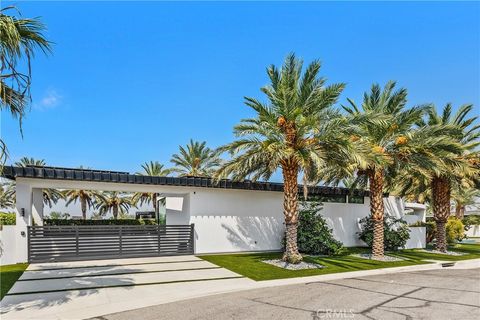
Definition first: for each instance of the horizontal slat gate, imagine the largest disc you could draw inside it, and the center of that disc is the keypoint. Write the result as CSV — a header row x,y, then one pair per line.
x,y
66,243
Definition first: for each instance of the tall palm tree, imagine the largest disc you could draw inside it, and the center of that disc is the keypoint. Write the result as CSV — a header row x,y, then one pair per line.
x,y
113,201
20,38
295,131
464,197
50,196
196,159
86,198
387,142
153,169
459,168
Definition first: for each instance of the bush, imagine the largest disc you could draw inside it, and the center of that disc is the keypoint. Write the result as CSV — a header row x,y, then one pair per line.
x,y
7,219
431,229
314,235
469,221
71,222
455,230
395,232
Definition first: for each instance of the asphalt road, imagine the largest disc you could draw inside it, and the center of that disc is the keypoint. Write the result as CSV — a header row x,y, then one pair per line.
x,y
437,294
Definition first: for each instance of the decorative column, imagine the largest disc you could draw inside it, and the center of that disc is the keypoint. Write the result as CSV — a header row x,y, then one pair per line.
x,y
23,210
37,212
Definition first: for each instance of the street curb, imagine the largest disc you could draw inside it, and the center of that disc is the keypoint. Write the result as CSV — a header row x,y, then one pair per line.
x,y
463,264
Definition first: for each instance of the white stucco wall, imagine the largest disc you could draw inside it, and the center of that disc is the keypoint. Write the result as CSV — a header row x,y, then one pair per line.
x,y
418,238
474,231
236,220
344,219
7,243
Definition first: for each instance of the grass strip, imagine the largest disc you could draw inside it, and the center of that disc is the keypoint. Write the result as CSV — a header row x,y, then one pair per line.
x,y
9,274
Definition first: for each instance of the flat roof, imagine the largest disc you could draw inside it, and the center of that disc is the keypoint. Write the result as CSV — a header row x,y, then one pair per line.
x,y
92,175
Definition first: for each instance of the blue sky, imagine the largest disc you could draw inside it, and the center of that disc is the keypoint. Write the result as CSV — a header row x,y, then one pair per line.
x,y
129,82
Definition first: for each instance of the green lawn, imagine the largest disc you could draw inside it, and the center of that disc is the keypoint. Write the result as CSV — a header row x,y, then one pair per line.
x,y
8,275
251,265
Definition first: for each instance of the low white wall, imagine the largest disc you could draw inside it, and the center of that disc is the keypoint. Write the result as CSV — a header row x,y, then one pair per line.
x,y
344,219
418,238
474,231
236,220
7,242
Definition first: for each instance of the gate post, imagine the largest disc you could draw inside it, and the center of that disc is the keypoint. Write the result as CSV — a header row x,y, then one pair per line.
x,y
120,239
76,240
192,237
158,234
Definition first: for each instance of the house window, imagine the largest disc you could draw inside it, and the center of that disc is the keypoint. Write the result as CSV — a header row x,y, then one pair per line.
x,y
356,199
338,198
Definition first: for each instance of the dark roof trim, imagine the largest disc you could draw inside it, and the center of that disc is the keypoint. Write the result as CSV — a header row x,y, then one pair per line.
x,y
12,172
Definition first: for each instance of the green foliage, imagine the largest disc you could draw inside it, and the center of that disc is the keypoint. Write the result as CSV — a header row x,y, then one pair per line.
x,y
71,222
195,159
314,235
7,218
471,220
56,215
396,232
455,230
9,274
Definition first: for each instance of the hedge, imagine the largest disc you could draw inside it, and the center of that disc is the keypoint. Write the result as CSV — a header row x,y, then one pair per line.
x,y
7,218
72,222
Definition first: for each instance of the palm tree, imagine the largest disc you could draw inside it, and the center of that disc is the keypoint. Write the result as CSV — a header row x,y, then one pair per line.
x,y
295,131
383,141
113,201
153,169
196,160
50,196
85,197
20,38
460,168
464,197
7,195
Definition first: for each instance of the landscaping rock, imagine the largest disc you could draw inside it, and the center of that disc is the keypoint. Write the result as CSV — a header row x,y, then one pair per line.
x,y
370,257
291,266
448,253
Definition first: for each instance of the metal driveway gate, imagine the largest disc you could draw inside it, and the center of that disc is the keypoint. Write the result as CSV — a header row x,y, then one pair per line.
x,y
65,243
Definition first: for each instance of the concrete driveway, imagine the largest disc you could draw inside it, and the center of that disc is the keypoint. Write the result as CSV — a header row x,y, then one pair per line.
x,y
78,290
431,294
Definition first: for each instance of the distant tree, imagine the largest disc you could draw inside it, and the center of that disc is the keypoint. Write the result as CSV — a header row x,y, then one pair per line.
x,y
7,195
58,215
50,196
113,201
153,169
196,160
85,197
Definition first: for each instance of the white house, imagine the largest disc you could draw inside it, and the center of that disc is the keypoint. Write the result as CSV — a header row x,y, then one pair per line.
x,y
227,216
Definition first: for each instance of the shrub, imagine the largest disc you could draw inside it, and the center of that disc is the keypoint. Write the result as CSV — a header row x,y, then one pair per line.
x,y
469,221
71,222
314,235
7,218
396,232
455,230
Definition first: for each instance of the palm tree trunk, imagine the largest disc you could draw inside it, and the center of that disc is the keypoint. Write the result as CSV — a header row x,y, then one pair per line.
x,y
290,210
115,212
459,210
441,210
83,204
377,211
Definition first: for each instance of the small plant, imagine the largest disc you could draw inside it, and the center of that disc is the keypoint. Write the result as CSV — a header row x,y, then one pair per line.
x,y
7,218
314,236
455,230
396,232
